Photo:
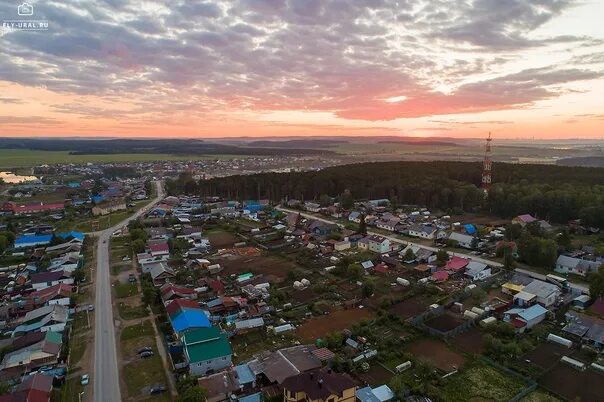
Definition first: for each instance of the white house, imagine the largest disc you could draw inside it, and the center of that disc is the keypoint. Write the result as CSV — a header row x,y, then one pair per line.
x,y
546,293
312,206
375,243
477,270
463,240
566,264
422,231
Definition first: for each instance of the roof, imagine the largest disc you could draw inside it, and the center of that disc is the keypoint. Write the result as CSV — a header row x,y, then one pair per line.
x,y
470,229
257,397
541,289
284,363
189,318
323,354
366,395
460,237
244,374
159,247
203,344
320,384
598,306
440,276
32,239
175,306
42,277
532,312
475,267
457,263
526,218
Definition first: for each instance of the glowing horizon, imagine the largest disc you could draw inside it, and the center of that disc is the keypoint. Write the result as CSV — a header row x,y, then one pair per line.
x,y
215,69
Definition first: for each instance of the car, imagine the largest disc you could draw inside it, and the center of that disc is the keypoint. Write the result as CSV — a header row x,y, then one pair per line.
x,y
146,355
85,379
157,389
104,241
144,349
131,278
90,307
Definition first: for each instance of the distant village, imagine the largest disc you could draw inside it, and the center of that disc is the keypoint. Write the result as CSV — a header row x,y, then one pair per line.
x,y
301,301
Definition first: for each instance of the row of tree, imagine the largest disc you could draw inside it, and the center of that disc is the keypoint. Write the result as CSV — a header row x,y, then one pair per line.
x,y
556,193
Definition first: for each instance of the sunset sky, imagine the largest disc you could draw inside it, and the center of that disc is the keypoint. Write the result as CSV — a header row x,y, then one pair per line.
x,y
132,68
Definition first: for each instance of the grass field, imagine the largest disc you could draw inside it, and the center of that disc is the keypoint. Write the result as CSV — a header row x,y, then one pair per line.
x,y
15,158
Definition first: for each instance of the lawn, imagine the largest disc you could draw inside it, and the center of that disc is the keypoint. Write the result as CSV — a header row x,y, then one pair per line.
x,y
70,390
481,382
540,396
22,157
77,349
137,330
143,373
132,312
123,290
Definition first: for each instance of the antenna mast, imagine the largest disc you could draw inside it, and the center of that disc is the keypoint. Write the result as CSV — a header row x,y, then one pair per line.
x,y
487,166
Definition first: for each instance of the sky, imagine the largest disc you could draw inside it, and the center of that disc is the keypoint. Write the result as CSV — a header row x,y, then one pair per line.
x,y
520,69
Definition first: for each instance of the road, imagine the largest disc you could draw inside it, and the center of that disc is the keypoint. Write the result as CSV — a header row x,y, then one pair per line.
x,y
397,240
106,373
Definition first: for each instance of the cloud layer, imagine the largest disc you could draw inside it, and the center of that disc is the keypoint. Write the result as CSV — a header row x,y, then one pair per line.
x,y
208,59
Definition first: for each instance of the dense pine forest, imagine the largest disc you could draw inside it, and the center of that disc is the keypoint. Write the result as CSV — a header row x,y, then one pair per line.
x,y
556,193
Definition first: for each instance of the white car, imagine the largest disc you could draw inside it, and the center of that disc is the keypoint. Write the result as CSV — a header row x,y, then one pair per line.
x,y
85,379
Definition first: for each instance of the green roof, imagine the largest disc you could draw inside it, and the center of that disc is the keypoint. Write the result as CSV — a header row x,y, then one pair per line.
x,y
54,337
203,344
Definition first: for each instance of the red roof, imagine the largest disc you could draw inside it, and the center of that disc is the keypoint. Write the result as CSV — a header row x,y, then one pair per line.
x,y
518,323
35,207
381,268
457,264
440,276
217,285
178,304
159,247
42,296
170,287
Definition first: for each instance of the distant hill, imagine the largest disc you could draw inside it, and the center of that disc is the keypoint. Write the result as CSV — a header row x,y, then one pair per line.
x,y
419,142
159,146
311,143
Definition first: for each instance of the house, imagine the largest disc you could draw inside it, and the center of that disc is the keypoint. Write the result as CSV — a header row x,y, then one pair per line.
x,y
457,264
43,280
523,220
160,274
20,209
382,393
566,264
320,386
547,293
375,243
321,228
277,366
312,206
355,217
206,350
188,319
423,231
477,270
440,276
48,318
33,350
26,241
586,329
170,291
389,225
105,208
56,294
463,240
159,249
525,318
342,245
34,388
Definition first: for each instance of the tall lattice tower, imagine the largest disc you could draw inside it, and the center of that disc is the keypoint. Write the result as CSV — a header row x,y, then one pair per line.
x,y
487,166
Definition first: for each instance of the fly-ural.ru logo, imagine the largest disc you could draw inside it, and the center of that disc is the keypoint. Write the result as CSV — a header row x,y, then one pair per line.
x,y
24,21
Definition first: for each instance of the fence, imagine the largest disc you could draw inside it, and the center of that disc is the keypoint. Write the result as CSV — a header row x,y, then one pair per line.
x,y
532,384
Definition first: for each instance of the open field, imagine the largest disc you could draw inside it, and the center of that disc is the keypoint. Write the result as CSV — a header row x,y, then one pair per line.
x,y
272,268
10,158
221,239
571,384
409,308
481,383
547,355
469,342
318,327
437,354
445,322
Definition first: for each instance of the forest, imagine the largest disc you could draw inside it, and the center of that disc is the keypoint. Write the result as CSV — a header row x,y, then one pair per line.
x,y
555,193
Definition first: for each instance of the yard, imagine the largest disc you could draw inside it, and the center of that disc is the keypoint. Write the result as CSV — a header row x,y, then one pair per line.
x,y
123,290
573,384
246,345
410,308
481,382
445,322
139,374
437,354
221,238
272,268
318,327
469,342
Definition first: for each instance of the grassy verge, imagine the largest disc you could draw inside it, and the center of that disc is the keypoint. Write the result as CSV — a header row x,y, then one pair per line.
x,y
132,312
123,290
137,330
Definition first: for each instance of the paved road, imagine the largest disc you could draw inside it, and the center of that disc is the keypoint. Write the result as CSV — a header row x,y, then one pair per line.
x,y
106,373
399,241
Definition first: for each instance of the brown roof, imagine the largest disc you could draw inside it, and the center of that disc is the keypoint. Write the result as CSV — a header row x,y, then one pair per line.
x,y
319,384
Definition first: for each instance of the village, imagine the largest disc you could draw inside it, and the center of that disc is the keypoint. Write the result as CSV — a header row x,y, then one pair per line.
x,y
253,301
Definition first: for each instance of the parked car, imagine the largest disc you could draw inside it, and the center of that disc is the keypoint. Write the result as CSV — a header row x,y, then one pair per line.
x,y
131,278
90,307
144,349
157,389
85,379
146,355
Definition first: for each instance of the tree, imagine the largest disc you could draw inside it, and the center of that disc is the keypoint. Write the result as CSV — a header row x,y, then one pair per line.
x,y
355,271
596,283
324,200
441,257
409,255
513,231
564,240
138,246
3,244
346,200
193,394
362,225
78,275
367,289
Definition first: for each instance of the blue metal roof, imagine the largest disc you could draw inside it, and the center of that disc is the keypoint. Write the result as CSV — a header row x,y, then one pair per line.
x,y
366,395
74,234
244,374
533,312
470,229
32,239
251,398
190,318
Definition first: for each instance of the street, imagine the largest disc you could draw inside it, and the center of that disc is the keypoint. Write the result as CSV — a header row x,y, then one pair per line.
x,y
106,374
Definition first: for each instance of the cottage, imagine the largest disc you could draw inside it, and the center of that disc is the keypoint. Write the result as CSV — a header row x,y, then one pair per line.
x,y
423,231
546,293
566,264
375,243
161,274
523,220
523,319
206,350
477,270
463,240
320,386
